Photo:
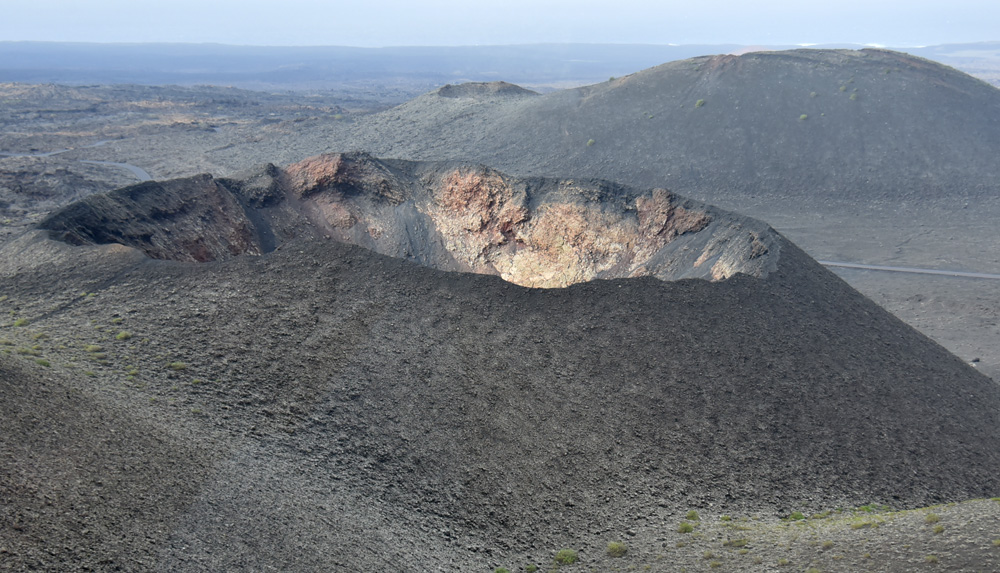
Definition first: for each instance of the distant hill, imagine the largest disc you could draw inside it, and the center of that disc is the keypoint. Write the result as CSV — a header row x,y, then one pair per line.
x,y
813,124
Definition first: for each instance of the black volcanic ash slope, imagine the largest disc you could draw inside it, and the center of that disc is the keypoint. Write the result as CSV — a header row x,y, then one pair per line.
x,y
370,413
824,124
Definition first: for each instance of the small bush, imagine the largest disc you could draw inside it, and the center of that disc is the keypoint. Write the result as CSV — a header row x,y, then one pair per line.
x,y
22,322
177,366
566,557
699,103
531,568
708,555
92,348
853,97
931,559
932,518
715,564
803,117
42,362
692,516
783,562
938,529
590,142
827,545
685,528
501,570
616,549
5,342
725,518
123,335
796,516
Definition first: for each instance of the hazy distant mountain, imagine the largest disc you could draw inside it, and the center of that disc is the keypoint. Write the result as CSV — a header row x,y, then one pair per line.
x,y
816,124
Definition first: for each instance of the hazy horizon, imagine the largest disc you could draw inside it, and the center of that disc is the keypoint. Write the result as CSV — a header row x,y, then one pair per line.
x,y
390,23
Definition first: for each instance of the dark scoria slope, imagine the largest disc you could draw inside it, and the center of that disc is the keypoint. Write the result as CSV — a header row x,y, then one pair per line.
x,y
825,124
360,412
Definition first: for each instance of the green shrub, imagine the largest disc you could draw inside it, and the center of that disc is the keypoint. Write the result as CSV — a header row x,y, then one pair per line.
x,y
931,559
177,366
531,568
5,342
501,570
782,562
92,348
692,516
725,518
699,103
590,142
796,516
715,564
566,557
803,117
685,528
123,335
42,362
938,529
853,97
616,549
22,322
932,518
827,545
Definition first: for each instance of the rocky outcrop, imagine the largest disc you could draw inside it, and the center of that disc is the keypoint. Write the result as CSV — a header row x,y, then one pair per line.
x,y
190,219
533,232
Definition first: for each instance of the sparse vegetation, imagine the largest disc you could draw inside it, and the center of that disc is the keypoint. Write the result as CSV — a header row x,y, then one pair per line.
x,y
783,562
932,518
938,529
22,322
501,570
590,142
796,516
531,568
803,117
699,103
827,545
735,542
931,559
123,335
42,362
566,557
177,366
685,528
617,549
92,348
692,516
853,97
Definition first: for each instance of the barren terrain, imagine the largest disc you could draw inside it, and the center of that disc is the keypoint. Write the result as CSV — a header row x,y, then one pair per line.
x,y
297,403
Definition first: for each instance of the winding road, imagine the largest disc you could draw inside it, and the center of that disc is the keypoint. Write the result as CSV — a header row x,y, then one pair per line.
x,y
139,172
910,270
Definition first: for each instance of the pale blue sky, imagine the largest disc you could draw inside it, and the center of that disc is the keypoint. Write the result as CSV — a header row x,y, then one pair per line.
x,y
374,23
